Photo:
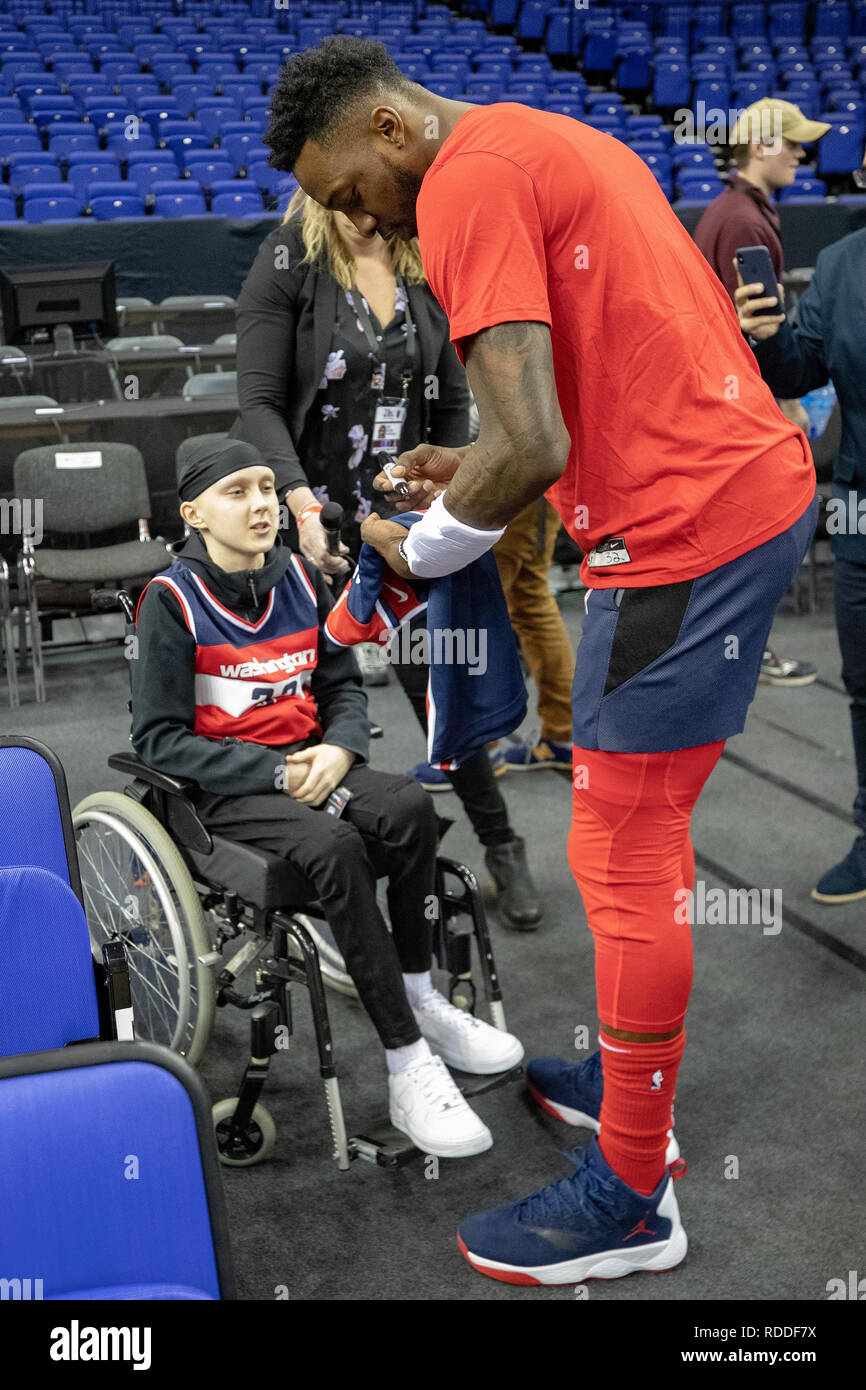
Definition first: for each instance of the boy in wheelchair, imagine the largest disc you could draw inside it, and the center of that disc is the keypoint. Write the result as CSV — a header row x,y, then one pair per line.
x,y
236,687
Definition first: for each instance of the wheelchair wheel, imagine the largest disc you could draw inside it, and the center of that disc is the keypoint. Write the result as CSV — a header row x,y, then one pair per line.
x,y
138,890
256,1142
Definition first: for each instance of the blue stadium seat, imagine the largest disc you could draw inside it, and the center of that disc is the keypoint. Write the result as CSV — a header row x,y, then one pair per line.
x,y
101,168
122,137
802,188
182,135
107,207
70,1216
241,147
49,109
698,192
188,94
32,168
672,85
18,139
146,168
190,202
841,150
268,180
244,197
208,167
67,137
50,202
214,115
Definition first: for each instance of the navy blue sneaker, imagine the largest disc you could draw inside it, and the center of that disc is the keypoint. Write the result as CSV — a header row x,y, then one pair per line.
x,y
845,882
572,1091
432,779
589,1226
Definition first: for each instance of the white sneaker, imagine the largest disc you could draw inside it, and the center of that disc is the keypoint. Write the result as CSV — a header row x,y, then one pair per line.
x,y
465,1041
426,1104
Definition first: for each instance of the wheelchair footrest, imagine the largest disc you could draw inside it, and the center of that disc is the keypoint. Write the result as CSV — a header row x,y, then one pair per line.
x,y
383,1145
473,1085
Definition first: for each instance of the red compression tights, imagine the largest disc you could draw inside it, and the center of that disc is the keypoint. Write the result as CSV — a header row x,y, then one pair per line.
x,y
630,851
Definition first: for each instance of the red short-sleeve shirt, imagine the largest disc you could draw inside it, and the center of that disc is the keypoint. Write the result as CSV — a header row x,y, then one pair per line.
x,y
678,448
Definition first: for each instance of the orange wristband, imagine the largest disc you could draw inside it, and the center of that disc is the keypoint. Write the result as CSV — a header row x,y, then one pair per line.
x,y
310,510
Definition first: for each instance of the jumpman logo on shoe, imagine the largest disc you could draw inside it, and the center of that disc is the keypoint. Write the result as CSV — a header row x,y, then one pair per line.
x,y
641,1229
658,1078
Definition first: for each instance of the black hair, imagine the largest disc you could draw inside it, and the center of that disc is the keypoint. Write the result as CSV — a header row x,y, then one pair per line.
x,y
319,87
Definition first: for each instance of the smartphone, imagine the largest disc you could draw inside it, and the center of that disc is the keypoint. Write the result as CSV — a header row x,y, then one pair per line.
x,y
756,265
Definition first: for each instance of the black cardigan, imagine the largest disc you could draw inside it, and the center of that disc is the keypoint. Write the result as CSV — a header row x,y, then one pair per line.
x,y
285,319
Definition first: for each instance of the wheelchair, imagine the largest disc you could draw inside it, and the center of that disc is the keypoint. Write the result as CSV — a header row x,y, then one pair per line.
x,y
175,895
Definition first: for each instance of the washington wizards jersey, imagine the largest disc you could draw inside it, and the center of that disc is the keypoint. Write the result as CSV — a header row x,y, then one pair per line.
x,y
252,679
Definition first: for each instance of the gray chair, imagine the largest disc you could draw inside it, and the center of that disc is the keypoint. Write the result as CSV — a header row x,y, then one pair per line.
x,y
196,302
211,384
144,342
106,493
15,366
226,340
26,402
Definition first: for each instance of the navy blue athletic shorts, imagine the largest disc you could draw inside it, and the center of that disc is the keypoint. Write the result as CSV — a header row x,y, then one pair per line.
x,y
677,665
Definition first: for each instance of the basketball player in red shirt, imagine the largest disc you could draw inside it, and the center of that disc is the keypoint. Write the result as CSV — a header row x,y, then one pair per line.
x,y
610,373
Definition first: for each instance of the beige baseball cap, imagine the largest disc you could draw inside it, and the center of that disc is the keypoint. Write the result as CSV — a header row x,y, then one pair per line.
x,y
768,119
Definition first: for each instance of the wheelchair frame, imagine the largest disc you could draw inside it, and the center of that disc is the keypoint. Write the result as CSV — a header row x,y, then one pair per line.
x,y
245,1132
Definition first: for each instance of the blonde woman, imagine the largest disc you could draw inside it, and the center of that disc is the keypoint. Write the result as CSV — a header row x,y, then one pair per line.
x,y
342,343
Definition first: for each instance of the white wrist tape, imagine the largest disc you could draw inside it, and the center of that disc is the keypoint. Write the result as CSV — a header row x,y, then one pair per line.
x,y
439,544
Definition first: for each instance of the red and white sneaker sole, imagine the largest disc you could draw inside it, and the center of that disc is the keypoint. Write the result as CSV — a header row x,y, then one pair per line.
x,y
659,1258
577,1117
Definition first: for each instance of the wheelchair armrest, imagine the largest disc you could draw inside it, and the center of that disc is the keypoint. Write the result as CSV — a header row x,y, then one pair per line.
x,y
132,765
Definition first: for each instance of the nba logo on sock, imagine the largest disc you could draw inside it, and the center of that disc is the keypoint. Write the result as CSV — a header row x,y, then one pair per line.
x,y
657,1081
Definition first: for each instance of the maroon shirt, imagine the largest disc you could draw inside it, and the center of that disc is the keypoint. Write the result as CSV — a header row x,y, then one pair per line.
x,y
741,216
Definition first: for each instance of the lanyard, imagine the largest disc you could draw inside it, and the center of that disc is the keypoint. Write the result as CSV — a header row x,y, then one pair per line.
x,y
409,358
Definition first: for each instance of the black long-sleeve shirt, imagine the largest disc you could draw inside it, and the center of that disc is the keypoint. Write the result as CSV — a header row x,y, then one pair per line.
x,y
289,330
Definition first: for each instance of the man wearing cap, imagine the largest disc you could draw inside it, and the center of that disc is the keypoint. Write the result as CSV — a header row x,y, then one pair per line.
x,y
237,687
767,141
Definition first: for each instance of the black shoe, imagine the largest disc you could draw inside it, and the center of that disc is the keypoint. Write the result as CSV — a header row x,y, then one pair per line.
x,y
516,894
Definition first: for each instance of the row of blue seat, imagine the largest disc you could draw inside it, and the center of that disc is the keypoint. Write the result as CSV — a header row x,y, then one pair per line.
x,y
108,201
140,176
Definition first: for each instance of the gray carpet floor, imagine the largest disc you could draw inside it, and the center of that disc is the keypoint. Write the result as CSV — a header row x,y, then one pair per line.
x,y
772,1074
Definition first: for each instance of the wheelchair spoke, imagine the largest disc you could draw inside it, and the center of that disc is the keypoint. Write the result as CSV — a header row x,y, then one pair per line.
x,y
128,897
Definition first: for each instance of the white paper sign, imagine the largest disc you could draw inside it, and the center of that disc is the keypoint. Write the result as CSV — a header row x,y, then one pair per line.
x,y
88,458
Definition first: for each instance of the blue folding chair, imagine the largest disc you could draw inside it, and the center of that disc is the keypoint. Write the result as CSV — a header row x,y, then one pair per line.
x,y
40,883
111,1189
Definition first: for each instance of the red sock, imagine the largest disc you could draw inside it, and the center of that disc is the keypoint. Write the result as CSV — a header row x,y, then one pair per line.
x,y
639,1084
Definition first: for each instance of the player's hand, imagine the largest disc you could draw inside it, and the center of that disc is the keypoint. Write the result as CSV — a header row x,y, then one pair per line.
x,y
748,299
385,536
427,469
313,543
312,774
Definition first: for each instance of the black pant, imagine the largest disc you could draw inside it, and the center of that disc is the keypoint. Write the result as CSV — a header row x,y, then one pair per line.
x,y
850,599
388,829
473,781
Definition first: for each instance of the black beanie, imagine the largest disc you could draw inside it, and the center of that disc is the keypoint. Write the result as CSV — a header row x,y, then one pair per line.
x,y
211,460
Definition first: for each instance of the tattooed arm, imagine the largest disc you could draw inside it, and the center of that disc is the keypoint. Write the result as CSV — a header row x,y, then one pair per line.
x,y
523,445
521,450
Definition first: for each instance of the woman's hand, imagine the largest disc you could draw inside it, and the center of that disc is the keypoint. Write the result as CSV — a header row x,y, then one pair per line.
x,y
312,774
313,542
427,469
749,298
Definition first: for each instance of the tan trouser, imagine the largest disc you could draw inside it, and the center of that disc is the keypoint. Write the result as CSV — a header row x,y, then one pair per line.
x,y
523,557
